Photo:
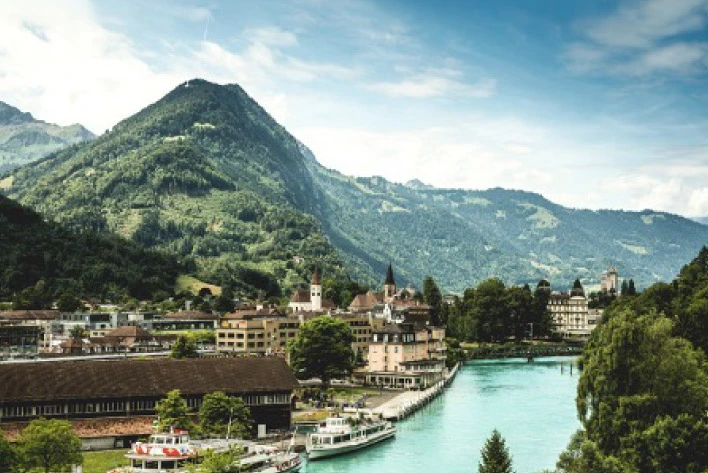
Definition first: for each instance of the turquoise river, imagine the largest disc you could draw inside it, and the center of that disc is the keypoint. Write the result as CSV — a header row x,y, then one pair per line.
x,y
531,404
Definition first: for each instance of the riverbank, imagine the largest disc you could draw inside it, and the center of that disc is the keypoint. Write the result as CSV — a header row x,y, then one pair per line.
x,y
407,402
487,351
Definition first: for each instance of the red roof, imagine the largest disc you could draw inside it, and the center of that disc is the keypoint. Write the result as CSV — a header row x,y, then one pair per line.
x,y
300,295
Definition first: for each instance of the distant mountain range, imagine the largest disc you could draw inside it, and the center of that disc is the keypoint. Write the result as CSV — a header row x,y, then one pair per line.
x,y
23,139
205,172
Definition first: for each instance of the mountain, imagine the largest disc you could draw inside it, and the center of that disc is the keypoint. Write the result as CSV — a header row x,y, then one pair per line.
x,y
23,139
205,172
78,263
702,220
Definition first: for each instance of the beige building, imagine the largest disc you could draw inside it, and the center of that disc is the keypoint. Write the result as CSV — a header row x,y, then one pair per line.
x,y
267,332
406,355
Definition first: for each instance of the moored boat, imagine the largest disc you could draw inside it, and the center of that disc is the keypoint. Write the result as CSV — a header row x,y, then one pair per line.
x,y
176,453
341,435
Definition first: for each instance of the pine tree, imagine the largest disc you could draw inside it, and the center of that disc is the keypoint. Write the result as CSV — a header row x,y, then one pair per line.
x,y
495,455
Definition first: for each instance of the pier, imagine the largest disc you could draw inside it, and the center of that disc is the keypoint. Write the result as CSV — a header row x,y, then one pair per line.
x,y
408,402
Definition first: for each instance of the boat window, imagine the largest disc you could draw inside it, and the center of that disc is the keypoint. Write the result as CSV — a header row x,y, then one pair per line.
x,y
168,465
151,466
136,463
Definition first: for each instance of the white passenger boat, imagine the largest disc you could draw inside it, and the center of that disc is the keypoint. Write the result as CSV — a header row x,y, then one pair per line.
x,y
341,435
175,453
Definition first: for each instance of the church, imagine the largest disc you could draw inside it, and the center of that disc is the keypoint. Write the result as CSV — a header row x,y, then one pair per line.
x,y
311,301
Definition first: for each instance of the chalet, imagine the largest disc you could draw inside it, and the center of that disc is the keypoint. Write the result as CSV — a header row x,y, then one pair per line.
x,y
128,388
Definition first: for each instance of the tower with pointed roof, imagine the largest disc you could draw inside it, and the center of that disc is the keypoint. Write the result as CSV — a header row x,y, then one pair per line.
x,y
316,290
389,284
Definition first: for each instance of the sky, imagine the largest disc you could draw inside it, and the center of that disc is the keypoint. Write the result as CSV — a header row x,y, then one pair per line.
x,y
592,103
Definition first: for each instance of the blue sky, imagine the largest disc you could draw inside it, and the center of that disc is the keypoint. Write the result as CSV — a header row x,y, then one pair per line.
x,y
597,103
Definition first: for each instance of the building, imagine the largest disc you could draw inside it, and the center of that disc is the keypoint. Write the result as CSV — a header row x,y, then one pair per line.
x,y
268,332
127,388
43,319
127,339
181,321
406,355
570,313
18,340
609,281
392,305
311,301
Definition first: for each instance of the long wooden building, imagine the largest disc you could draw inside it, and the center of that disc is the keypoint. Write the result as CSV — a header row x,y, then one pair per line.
x,y
125,388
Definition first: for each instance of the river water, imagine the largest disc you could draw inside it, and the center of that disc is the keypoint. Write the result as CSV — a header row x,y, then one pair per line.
x,y
531,404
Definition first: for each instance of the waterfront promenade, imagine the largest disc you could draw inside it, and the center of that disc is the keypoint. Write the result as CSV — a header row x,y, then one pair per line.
x,y
408,402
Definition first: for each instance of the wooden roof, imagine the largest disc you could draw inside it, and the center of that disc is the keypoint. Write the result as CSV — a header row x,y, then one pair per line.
x,y
94,379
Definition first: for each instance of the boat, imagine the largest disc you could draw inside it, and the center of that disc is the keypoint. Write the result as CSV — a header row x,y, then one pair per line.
x,y
175,452
339,435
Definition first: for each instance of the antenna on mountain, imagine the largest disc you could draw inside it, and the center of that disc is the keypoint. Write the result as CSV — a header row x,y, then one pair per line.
x,y
186,85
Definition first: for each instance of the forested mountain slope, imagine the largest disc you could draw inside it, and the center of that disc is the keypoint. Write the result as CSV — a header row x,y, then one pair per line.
x,y
32,250
206,173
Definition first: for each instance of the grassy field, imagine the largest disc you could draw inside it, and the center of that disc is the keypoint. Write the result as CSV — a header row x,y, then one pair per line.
x,y
193,285
101,462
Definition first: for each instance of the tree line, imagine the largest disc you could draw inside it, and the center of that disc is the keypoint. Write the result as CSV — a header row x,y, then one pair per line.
x,y
493,312
643,392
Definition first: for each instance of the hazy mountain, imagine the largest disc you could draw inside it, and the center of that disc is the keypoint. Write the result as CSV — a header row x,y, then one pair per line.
x,y
702,220
23,139
206,172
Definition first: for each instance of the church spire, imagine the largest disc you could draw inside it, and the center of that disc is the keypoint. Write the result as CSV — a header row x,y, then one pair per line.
x,y
316,281
389,276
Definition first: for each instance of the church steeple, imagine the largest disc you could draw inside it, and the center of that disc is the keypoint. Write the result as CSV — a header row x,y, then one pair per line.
x,y
389,284
316,290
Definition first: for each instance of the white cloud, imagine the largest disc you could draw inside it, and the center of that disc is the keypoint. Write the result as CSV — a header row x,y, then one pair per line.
x,y
640,24
439,82
642,38
59,62
427,86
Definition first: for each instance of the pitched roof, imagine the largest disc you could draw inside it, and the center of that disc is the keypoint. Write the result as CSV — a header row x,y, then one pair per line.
x,y
191,315
365,301
94,379
246,314
316,281
29,314
301,295
129,331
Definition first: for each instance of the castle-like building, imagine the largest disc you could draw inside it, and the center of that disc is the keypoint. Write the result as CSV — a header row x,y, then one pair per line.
x,y
609,281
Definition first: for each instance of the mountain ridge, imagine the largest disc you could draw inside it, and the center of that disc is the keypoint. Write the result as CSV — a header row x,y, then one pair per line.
x,y
207,173
25,139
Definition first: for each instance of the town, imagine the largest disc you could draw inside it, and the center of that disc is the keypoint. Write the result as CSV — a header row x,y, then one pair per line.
x,y
106,370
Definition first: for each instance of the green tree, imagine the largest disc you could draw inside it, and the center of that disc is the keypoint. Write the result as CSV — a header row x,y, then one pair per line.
x,y
635,371
221,414
322,349
173,412
185,347
433,297
50,445
68,302
221,462
631,290
520,302
487,309
77,331
495,455
10,460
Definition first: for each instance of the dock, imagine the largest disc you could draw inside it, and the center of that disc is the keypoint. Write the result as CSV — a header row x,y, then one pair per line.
x,y
409,402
